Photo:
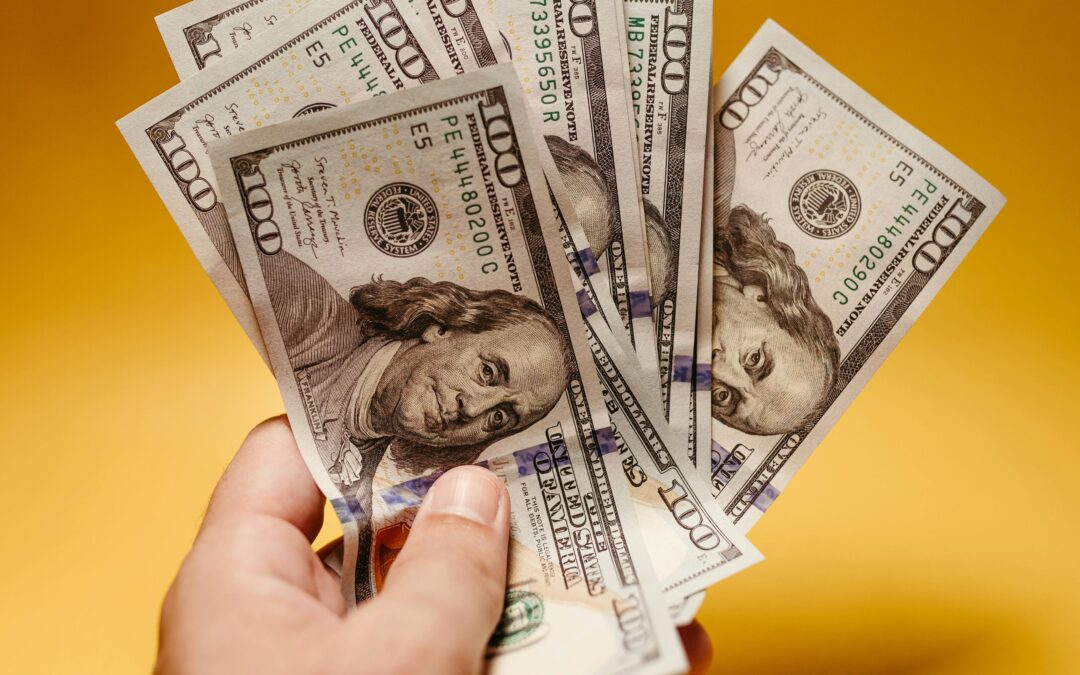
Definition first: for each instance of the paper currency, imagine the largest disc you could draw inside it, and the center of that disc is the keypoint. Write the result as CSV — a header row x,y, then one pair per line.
x,y
570,65
669,45
624,70
330,54
835,224
201,32
407,272
700,422
682,551
701,400
491,48
204,31
691,543
684,612
688,539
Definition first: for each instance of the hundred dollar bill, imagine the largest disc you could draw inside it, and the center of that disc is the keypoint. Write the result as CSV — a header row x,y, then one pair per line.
x,y
330,54
669,44
620,10
483,46
700,424
835,224
701,401
689,541
407,271
463,27
684,612
672,542
202,31
570,65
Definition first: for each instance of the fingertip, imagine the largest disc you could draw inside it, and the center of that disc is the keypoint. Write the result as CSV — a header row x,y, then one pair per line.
x,y
470,492
268,476
698,646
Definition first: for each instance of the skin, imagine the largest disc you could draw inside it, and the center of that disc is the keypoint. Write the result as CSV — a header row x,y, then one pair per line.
x,y
768,381
453,388
253,597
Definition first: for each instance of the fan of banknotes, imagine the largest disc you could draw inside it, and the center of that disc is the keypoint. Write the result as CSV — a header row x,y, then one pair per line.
x,y
529,235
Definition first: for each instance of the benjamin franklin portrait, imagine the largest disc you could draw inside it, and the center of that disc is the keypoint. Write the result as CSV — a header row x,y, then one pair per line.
x,y
660,254
594,201
421,375
774,356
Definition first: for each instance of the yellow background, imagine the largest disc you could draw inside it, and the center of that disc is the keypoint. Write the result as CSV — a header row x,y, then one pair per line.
x,y
935,530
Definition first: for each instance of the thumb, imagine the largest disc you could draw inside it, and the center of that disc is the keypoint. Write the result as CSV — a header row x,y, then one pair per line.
x,y
447,584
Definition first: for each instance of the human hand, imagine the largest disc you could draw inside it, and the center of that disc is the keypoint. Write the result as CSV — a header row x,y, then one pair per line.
x,y
252,595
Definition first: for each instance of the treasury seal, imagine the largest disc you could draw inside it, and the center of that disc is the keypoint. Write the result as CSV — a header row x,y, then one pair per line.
x,y
401,220
824,204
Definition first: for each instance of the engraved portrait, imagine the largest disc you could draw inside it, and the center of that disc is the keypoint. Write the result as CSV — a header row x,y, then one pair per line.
x,y
774,356
417,375
660,255
594,202
592,197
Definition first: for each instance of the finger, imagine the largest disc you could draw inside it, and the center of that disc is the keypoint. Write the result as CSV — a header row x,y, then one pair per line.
x,y
444,593
698,647
268,477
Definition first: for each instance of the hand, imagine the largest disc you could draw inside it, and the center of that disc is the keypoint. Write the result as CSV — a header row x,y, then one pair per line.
x,y
253,597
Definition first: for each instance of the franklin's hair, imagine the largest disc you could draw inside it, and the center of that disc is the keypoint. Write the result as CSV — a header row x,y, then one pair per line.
x,y
403,310
748,249
659,253
574,163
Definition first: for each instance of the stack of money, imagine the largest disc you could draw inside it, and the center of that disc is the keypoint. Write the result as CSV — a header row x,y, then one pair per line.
x,y
528,235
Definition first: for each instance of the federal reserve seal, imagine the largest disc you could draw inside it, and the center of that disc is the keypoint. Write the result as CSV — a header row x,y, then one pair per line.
x,y
313,108
824,204
401,220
